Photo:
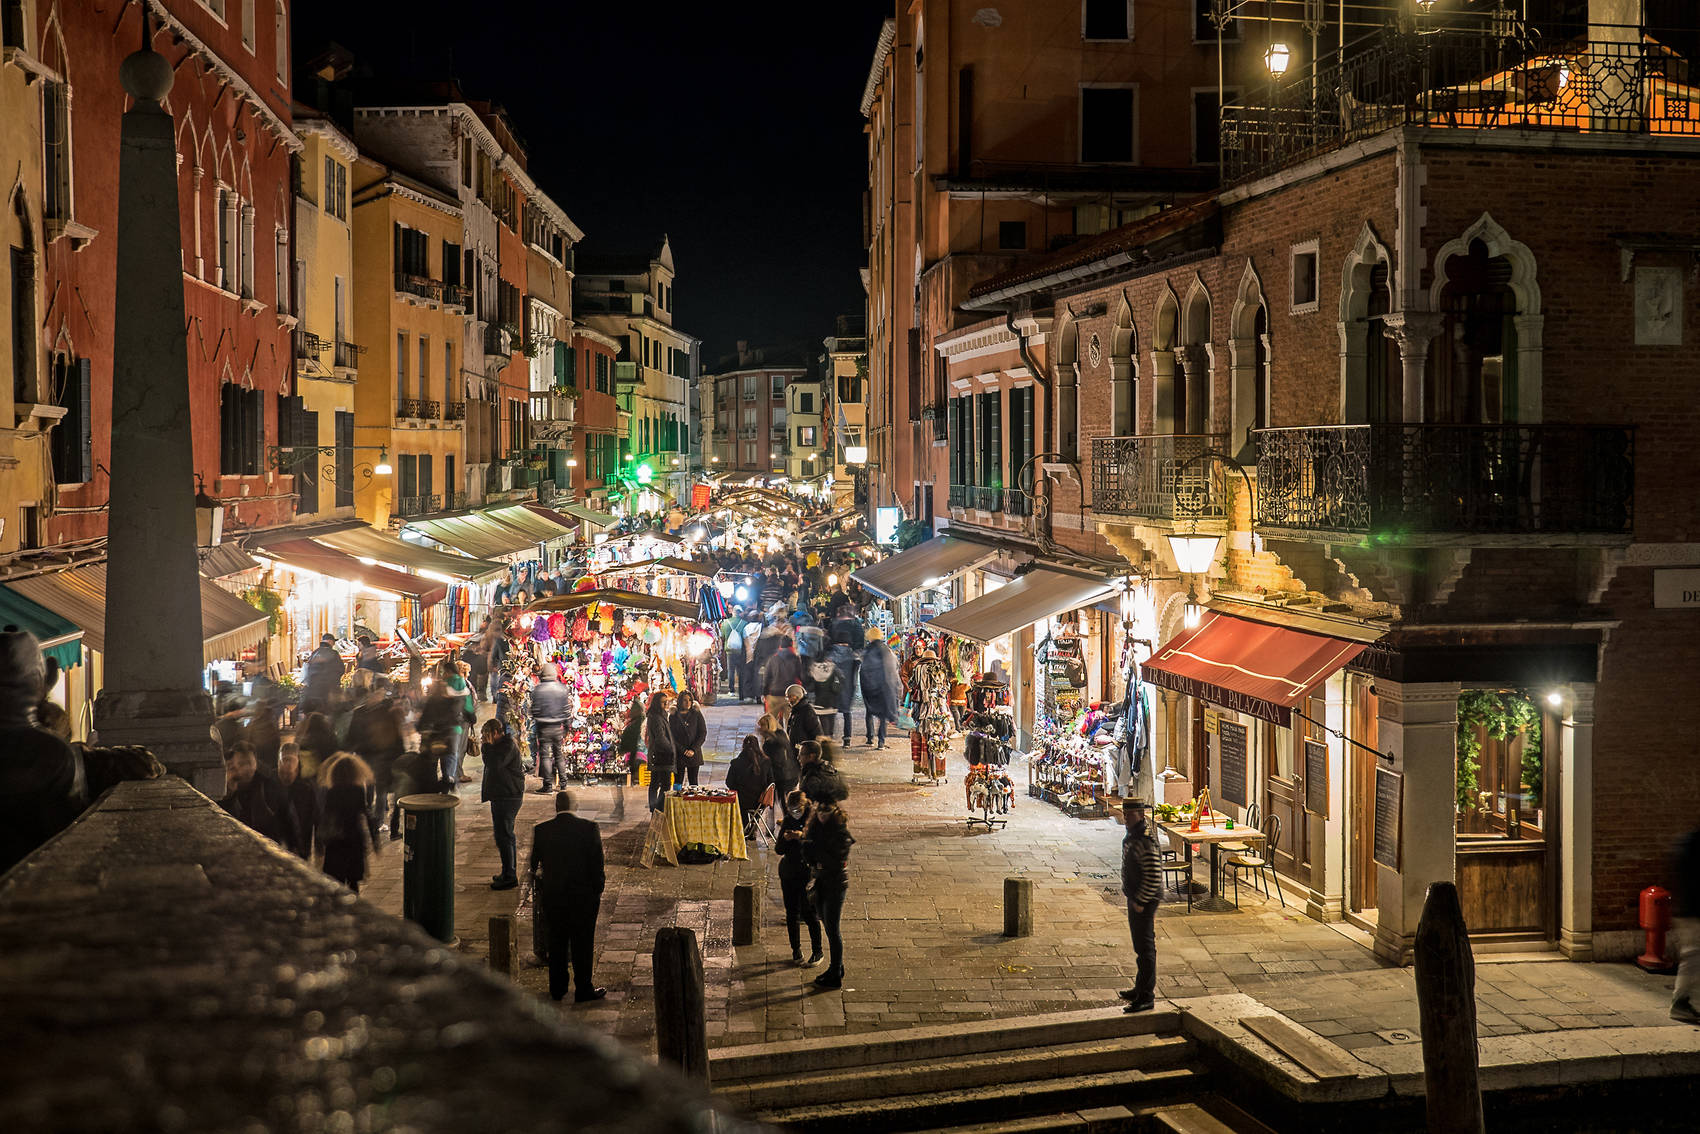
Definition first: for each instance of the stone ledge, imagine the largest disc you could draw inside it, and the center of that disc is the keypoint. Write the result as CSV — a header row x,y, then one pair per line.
x,y
165,968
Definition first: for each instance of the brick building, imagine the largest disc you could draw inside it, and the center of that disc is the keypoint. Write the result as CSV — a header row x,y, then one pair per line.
x,y
1367,374
751,436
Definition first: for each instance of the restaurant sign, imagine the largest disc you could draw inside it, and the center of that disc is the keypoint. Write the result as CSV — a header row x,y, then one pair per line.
x,y
1217,695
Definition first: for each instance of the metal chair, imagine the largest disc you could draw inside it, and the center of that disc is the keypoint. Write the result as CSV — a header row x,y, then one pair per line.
x,y
1260,862
1181,870
767,827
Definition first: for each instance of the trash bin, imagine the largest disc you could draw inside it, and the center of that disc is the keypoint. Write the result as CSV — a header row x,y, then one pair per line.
x,y
428,863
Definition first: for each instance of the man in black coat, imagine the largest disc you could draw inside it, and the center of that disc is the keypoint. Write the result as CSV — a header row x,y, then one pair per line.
x,y
566,870
257,798
805,722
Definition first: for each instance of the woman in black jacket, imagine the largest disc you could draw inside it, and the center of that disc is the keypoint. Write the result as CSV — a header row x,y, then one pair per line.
x,y
503,789
689,733
826,848
348,829
663,757
630,744
794,881
781,760
750,777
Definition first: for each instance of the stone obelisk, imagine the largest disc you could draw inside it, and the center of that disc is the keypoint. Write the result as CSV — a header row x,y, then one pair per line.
x,y
154,695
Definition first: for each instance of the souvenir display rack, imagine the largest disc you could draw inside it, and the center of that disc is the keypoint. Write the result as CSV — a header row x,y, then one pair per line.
x,y
991,795
929,701
1066,770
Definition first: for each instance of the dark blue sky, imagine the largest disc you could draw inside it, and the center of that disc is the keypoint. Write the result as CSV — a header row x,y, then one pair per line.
x,y
733,128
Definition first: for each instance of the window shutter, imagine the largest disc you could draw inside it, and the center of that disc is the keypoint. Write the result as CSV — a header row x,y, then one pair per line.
x,y
448,479
953,426
83,437
425,474
344,459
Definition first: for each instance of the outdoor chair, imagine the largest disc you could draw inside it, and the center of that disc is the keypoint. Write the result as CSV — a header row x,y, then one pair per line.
x,y
1180,870
767,826
1260,863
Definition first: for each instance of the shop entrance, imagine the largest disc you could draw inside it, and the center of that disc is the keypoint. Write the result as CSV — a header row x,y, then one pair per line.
x,y
1507,831
1284,788
1361,874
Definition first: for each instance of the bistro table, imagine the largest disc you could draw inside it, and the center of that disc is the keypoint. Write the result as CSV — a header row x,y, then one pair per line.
x,y
716,823
1212,836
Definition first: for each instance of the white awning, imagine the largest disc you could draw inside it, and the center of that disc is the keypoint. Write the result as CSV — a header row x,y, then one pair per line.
x,y
1036,595
369,543
932,563
228,625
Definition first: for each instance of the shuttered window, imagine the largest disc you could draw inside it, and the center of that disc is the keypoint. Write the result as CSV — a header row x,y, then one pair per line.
x,y
242,430
344,459
73,437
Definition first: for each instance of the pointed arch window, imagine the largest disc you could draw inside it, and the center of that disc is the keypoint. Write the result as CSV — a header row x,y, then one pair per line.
x,y
281,42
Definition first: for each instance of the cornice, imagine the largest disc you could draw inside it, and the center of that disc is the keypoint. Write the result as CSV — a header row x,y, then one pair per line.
x,y
240,86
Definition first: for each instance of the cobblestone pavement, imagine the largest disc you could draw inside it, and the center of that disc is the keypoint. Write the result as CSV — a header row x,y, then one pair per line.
x,y
923,921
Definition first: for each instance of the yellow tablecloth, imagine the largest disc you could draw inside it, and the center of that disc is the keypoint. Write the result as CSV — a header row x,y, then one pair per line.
x,y
718,825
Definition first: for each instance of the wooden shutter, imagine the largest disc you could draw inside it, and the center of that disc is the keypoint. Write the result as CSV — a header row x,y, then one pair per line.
x,y
344,459
953,426
425,475
72,447
229,429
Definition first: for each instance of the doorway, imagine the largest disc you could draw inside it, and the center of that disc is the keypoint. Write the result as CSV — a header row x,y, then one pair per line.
x,y
1362,876
1283,792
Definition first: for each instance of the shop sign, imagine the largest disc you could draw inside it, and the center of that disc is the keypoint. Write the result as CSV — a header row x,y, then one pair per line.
x,y
1676,590
1231,751
1316,778
1211,720
1389,802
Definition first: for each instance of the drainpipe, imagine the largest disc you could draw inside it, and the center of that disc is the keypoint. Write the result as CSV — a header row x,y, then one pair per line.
x,y
1042,516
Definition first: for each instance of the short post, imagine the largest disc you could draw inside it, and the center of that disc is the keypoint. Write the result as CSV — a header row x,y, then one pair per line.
x,y
428,865
681,1024
1018,907
744,914
502,943
1446,1001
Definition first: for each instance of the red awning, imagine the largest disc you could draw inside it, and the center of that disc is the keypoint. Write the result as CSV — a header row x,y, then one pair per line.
x,y
1250,667
322,560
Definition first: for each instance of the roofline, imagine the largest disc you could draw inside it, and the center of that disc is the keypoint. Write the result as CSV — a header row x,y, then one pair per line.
x,y
313,124
214,61
882,52
600,338
513,169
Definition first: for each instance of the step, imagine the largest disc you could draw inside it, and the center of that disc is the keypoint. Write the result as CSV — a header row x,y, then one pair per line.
x,y
988,1104
1209,1114
1099,1120
892,1080
931,1042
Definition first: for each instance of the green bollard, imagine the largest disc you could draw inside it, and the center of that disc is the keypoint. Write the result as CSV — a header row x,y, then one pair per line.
x,y
428,863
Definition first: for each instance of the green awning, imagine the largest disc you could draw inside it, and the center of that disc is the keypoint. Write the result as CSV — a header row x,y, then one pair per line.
x,y
60,639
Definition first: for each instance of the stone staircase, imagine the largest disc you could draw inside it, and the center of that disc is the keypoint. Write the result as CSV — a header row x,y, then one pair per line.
x,y
1098,1070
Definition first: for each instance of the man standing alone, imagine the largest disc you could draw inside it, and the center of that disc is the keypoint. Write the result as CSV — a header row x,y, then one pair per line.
x,y
566,870
1142,884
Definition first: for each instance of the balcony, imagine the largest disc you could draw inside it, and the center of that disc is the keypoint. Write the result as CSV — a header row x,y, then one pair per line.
x,y
348,355
626,374
1619,83
422,409
1437,483
958,496
418,505
456,296
309,346
497,341
455,502
1143,477
422,287
454,411
985,499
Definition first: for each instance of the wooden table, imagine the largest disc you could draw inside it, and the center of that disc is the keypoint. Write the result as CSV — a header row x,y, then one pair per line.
x,y
1212,836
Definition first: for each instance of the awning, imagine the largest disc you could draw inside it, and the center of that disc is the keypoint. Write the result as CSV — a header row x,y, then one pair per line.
x,y
841,514
309,555
476,535
370,543
60,638
938,559
523,519
666,562
630,600
225,559
833,543
589,515
228,625
1036,595
1250,667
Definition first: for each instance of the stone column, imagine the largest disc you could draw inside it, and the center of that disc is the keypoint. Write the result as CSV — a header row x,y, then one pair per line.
x,y
154,695
1242,398
1413,331
1163,393
1419,726
1196,366
1576,825
1354,361
1327,901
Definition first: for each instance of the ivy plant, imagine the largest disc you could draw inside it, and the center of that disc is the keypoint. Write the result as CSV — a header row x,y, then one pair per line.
x,y
1501,715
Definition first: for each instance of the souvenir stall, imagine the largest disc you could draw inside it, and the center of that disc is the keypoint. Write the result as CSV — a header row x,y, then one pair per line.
x,y
609,646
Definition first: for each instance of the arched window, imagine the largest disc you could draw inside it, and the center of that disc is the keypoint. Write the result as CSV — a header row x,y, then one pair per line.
x,y
281,43
1124,374
1371,379
1068,391
1472,376
1192,395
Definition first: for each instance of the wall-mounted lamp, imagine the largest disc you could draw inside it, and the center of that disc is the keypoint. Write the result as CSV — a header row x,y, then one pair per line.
x,y
1277,57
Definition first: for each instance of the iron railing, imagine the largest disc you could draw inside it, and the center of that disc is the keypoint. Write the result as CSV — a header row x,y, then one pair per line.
x,y
456,296
1390,481
958,496
430,410
1158,477
1017,503
496,340
308,345
985,499
418,505
411,407
423,286
454,502
454,411
1619,81
348,354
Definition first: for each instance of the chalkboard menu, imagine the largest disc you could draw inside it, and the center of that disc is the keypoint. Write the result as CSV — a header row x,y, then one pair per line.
x,y
1230,747
1389,797
1316,778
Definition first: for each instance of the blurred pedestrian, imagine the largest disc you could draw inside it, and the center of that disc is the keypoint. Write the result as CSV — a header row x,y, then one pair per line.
x,y
781,759
749,776
322,676
551,707
566,873
794,881
881,689
1687,910
256,797
662,754
826,848
349,830
303,798
504,790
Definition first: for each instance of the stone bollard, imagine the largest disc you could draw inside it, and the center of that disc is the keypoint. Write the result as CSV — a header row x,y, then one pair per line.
x,y
1018,907
502,943
744,914
428,863
1446,1003
681,1025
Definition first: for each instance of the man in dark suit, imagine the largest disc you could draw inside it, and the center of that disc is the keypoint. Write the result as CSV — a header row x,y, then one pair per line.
x,y
566,870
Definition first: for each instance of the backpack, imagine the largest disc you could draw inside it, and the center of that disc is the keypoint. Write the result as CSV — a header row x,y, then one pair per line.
x,y
734,640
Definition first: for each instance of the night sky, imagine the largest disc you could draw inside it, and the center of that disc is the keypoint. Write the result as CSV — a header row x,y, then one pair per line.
x,y
735,129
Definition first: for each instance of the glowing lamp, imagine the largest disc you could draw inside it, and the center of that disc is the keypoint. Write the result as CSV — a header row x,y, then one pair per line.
x,y
1193,613
743,594
1555,699
1276,58
1193,552
832,579
382,468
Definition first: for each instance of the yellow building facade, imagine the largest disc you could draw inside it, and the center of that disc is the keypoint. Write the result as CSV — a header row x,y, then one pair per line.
x,y
409,405
35,400
327,347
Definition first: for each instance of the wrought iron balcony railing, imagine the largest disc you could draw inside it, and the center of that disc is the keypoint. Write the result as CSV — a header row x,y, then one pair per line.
x,y
958,496
454,411
1158,477
348,354
422,286
430,410
411,407
985,499
497,340
308,345
1397,481
418,505
456,296
1617,81
455,502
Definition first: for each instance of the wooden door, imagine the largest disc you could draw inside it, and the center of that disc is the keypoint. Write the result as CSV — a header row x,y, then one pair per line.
x,y
1283,798
1362,876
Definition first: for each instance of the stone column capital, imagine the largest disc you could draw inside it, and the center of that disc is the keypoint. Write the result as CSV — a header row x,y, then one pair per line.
x,y
1413,330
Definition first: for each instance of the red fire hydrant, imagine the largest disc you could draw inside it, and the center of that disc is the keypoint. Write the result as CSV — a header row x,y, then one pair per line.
x,y
1655,919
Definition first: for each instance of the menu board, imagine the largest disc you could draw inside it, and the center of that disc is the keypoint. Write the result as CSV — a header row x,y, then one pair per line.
x,y
1316,778
1389,798
1230,748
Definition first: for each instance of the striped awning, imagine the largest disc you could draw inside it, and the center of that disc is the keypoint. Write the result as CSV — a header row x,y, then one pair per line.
x,y
540,528
60,638
228,625
370,543
310,555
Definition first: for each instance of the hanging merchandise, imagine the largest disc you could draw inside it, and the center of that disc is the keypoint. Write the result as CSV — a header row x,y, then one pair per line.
x,y
926,696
